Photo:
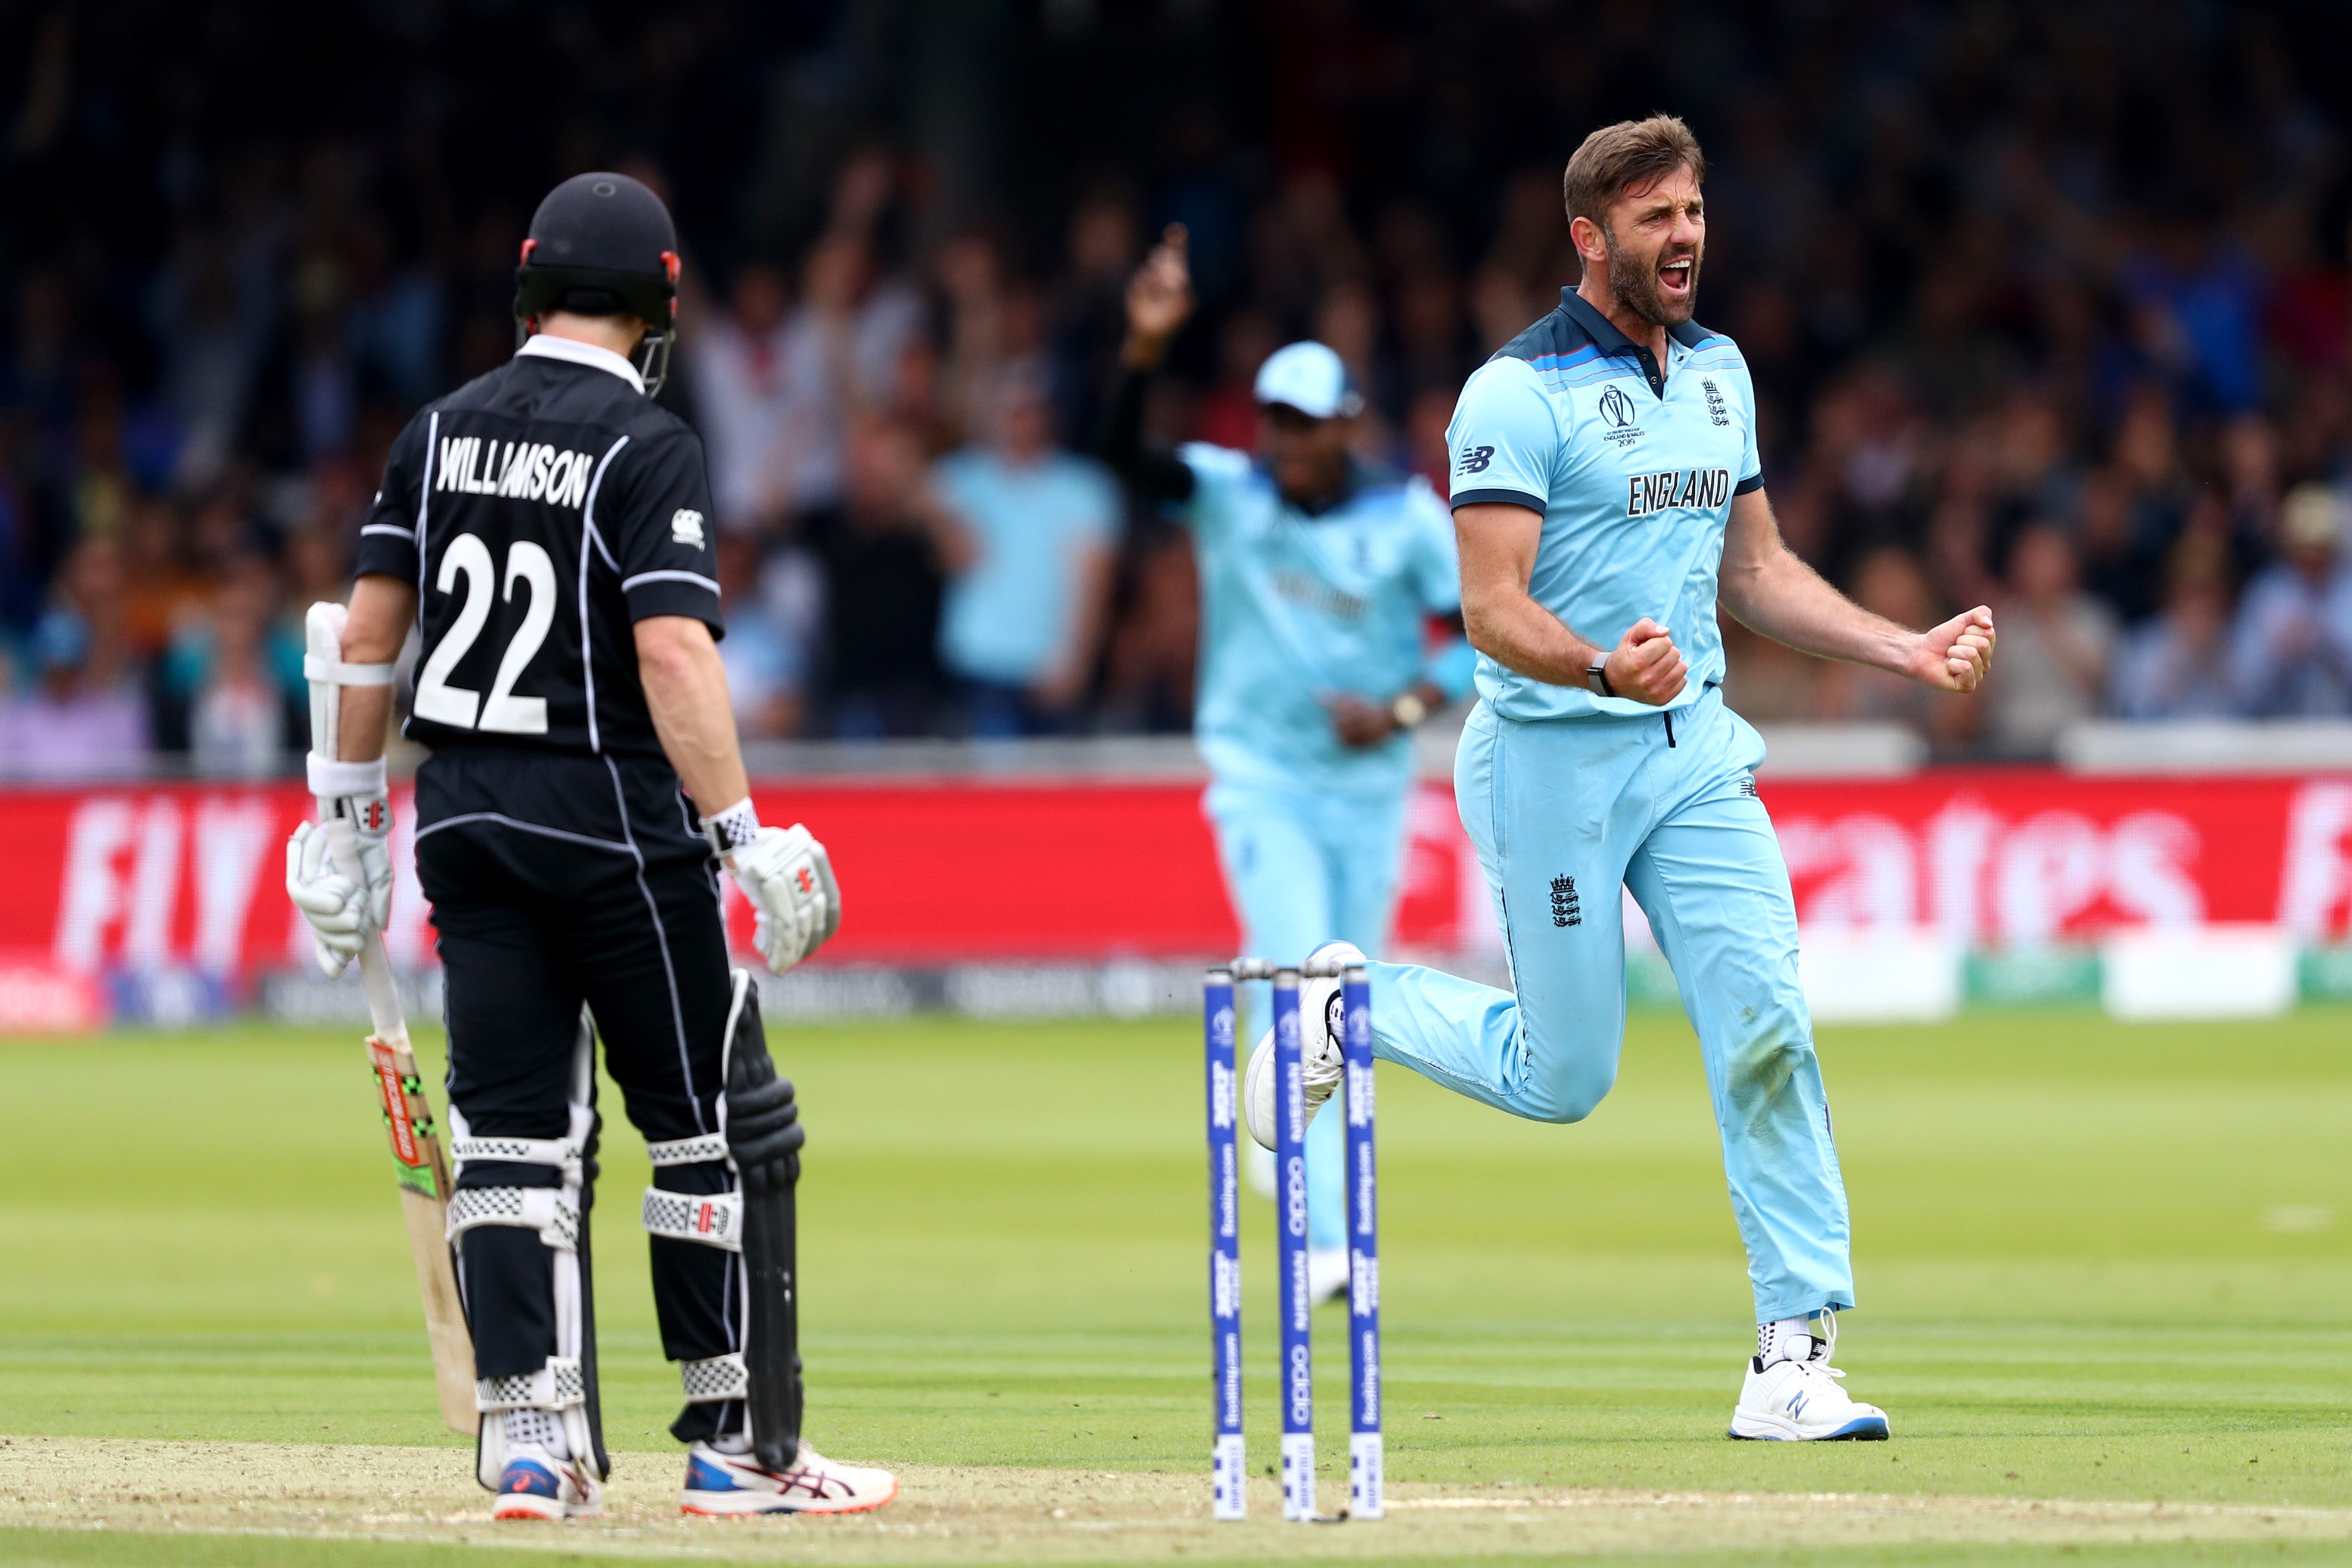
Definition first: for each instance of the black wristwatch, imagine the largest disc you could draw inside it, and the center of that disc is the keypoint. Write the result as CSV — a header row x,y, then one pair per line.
x,y
1596,676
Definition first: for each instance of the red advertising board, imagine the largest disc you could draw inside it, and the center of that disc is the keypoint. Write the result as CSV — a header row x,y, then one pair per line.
x,y
187,876
2016,856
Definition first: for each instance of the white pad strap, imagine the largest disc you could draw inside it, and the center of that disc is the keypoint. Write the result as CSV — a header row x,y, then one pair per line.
x,y
551,1211
333,779
335,672
687,1151
562,1154
715,1378
558,1386
714,1219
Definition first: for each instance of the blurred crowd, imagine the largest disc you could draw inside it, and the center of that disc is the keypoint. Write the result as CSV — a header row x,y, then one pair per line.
x,y
2049,308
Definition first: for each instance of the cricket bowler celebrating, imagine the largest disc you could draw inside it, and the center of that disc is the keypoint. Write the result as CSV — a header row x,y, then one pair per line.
x,y
1608,497
1318,579
545,528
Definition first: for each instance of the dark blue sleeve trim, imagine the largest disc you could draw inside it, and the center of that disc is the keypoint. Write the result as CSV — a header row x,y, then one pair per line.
x,y
671,597
1535,504
386,555
1753,482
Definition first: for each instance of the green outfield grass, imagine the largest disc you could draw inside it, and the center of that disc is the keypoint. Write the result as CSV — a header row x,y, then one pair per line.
x,y
2095,1261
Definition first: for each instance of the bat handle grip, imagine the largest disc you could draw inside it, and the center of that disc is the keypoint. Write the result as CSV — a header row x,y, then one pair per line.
x,y
375,967
384,1000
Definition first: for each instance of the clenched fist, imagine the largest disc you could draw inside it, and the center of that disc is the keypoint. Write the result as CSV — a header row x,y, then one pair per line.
x,y
1958,655
1645,666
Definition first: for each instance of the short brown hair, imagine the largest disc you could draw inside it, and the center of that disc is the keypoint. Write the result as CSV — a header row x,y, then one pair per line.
x,y
1630,152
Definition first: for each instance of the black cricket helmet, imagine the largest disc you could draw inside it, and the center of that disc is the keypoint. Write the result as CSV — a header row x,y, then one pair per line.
x,y
603,245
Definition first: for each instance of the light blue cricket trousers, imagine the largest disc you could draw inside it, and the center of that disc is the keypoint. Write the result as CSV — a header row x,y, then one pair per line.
x,y
1304,867
1563,812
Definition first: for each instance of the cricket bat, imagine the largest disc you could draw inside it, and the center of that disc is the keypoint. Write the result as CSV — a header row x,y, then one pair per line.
x,y
419,1157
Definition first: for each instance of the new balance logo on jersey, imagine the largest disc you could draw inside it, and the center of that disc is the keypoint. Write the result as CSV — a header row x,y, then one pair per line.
x,y
686,528
1675,489
518,470
1475,460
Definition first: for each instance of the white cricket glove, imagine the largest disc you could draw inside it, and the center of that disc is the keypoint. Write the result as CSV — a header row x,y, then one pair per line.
x,y
786,875
341,911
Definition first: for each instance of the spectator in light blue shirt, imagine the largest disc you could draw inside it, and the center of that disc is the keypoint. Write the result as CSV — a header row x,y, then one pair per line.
x,y
767,666
1029,559
2176,664
2293,645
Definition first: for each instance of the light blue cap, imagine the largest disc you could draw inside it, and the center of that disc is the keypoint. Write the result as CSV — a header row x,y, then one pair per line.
x,y
1311,378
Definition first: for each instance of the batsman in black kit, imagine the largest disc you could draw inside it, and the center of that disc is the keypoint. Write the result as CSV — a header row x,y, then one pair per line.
x,y
545,528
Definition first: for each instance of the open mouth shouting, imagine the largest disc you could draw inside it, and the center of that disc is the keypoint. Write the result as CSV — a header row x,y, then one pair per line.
x,y
1678,277
1662,291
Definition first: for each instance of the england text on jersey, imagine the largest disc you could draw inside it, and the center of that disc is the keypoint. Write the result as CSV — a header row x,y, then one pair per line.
x,y
519,470
1704,489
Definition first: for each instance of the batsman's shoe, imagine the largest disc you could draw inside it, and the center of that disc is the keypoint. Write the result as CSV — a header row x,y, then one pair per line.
x,y
728,1485
535,1484
1801,1402
1318,1048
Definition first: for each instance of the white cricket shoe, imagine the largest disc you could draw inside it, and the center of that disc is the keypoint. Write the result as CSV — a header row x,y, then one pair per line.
x,y
1801,1402
535,1484
1326,1274
1320,1049
733,1485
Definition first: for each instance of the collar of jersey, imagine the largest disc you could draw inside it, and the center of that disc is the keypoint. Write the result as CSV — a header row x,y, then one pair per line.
x,y
541,346
1607,338
1353,477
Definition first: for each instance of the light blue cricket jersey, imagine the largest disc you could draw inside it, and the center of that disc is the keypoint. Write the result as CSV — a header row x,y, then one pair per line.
x,y
1633,472
1295,608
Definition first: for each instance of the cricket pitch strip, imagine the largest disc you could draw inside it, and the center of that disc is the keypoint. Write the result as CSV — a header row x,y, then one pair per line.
x,y
1026,1515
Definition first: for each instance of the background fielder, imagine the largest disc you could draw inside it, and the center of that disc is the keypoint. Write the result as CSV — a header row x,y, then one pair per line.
x,y
543,526
1318,578
1606,482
